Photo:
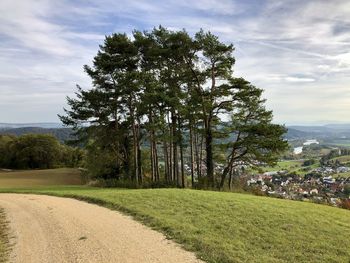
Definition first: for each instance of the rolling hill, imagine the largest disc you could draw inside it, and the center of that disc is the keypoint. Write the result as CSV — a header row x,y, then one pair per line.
x,y
62,134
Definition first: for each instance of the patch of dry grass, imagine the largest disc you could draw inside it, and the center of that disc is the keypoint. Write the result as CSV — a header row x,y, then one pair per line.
x,y
4,238
33,178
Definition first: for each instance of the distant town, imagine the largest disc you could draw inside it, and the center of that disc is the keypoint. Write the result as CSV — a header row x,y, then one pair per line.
x,y
317,172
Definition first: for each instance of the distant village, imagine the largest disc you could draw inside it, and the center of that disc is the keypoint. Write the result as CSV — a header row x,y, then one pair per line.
x,y
329,183
318,186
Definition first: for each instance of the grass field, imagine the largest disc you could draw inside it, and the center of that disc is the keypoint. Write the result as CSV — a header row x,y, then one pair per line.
x,y
33,178
292,166
289,165
219,227
343,143
230,227
342,159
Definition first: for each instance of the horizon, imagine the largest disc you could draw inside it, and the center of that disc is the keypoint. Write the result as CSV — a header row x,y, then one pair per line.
x,y
303,66
286,124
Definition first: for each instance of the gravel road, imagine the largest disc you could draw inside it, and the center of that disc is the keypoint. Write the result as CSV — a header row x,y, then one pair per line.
x,y
52,229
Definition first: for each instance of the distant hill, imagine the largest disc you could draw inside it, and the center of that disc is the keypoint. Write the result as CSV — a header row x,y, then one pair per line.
x,y
338,126
62,134
326,133
313,129
297,134
330,130
47,125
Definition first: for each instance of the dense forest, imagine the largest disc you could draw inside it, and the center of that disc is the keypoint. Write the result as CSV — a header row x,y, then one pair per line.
x,y
34,151
166,108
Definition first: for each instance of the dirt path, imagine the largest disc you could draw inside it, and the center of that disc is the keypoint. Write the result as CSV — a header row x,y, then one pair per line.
x,y
52,229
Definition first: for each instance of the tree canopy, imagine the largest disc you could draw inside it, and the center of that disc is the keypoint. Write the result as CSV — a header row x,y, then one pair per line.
x,y
165,106
33,151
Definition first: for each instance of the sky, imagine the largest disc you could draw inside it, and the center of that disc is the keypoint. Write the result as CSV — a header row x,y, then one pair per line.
x,y
297,51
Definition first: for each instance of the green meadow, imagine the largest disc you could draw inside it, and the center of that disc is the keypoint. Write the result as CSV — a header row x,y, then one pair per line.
x,y
226,227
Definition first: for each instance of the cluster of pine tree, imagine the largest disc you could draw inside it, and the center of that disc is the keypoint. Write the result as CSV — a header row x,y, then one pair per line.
x,y
165,107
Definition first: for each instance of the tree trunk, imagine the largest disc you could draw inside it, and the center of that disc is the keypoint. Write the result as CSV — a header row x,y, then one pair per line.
x,y
166,162
230,179
171,158
227,169
223,176
197,153
155,155
140,165
135,151
201,154
152,161
181,156
175,153
139,160
191,154
209,153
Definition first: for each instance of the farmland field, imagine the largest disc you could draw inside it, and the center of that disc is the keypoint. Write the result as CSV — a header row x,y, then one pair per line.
x,y
33,178
342,159
343,143
289,165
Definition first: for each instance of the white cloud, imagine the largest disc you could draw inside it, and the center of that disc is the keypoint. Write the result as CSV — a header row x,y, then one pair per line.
x,y
298,51
299,79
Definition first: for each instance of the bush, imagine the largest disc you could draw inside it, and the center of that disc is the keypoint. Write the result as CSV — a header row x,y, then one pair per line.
x,y
345,203
309,162
33,151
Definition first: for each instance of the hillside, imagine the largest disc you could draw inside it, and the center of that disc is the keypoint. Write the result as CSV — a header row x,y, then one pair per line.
x,y
329,131
324,131
297,134
62,134
231,227
46,125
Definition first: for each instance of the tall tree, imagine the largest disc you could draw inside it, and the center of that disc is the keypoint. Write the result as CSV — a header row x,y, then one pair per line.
x,y
170,93
211,65
253,138
109,109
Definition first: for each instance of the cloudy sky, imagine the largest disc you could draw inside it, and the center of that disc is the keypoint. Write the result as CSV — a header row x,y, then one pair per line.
x,y
297,51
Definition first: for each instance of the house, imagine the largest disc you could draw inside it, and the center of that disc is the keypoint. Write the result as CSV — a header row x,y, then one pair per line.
x,y
251,181
270,173
314,192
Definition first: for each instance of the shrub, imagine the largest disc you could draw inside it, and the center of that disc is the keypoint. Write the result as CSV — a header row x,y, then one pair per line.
x,y
345,203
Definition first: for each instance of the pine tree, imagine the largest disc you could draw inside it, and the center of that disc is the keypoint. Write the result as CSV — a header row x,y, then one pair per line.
x,y
169,94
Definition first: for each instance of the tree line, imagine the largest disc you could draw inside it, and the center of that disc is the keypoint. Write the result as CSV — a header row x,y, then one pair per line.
x,y
37,151
164,106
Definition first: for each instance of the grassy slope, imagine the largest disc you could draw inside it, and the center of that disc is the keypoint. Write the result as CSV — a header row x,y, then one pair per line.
x,y
342,159
290,166
343,143
230,227
33,178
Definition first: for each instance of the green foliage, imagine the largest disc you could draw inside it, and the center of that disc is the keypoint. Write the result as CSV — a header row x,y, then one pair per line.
x,y
309,162
36,151
100,162
347,189
168,91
